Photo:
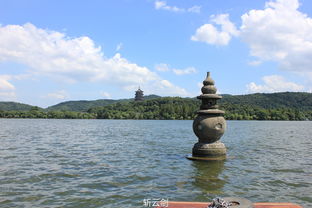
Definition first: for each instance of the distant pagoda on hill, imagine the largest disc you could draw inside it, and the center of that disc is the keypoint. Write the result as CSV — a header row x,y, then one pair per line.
x,y
139,95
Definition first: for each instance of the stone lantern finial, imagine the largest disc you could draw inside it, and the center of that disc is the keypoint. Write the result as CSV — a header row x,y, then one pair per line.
x,y
209,125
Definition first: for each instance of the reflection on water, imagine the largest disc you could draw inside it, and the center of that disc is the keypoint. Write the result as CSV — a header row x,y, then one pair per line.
x,y
207,176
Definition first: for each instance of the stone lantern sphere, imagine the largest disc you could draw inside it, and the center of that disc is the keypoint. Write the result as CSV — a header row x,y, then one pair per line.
x,y
209,125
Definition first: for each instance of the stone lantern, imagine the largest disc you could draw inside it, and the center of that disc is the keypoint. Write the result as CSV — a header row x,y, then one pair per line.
x,y
209,125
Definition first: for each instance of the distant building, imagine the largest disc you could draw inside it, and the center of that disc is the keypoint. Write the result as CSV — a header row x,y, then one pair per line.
x,y
139,95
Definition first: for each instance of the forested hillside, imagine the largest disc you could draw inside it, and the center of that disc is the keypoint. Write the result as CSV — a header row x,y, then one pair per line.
x,y
297,100
80,105
85,105
185,108
260,106
14,106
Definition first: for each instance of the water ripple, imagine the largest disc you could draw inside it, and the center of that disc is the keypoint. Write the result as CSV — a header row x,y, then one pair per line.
x,y
118,163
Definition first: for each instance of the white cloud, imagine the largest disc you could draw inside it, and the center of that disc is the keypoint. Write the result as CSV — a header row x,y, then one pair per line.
x,y
188,70
274,83
105,94
166,83
119,47
5,84
7,89
160,4
163,5
226,25
75,59
162,67
171,89
53,54
165,67
59,95
161,87
194,9
209,34
280,33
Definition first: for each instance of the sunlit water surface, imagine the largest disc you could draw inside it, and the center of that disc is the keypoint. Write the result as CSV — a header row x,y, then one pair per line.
x,y
119,163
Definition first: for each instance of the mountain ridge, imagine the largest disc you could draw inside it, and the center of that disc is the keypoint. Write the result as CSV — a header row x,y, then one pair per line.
x,y
297,100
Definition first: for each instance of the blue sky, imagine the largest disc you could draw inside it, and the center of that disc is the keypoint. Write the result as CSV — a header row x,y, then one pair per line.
x,y
54,51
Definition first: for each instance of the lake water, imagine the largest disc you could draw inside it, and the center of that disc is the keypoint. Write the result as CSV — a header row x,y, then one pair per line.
x,y
119,163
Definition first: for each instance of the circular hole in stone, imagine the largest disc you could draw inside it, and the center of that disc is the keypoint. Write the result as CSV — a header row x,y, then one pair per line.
x,y
234,203
218,126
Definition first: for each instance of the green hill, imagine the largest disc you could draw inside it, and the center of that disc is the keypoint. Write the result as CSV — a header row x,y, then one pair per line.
x,y
13,106
297,100
259,106
84,105
80,105
157,108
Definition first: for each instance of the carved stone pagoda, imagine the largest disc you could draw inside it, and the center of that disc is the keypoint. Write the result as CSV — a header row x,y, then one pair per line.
x,y
139,95
209,125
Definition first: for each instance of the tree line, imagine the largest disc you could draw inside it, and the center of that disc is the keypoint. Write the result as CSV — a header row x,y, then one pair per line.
x,y
168,108
39,113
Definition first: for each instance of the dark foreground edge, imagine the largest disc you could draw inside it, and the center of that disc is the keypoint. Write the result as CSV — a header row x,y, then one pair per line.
x,y
173,204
